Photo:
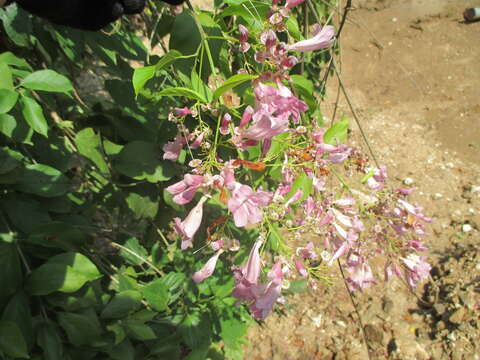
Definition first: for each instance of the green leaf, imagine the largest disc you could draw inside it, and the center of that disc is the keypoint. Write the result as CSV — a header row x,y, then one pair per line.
x,y
174,281
12,342
337,133
17,24
118,331
157,295
9,160
134,246
11,274
304,88
8,99
143,200
232,82
141,160
25,213
6,79
122,304
297,286
43,180
80,329
7,124
89,145
122,351
253,12
57,234
10,59
18,312
66,272
33,114
195,329
233,329
183,92
48,339
142,75
47,80
304,183
140,331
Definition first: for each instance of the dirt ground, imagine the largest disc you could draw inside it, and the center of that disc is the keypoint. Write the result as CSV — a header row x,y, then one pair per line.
x,y
412,70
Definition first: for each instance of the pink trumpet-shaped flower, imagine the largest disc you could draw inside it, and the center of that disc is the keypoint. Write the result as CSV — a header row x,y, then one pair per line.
x,y
188,227
182,111
246,276
208,269
227,119
292,3
172,148
417,269
185,190
267,294
322,40
302,270
245,204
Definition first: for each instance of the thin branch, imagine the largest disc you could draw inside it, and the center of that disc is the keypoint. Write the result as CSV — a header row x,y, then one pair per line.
x,y
157,270
364,335
354,113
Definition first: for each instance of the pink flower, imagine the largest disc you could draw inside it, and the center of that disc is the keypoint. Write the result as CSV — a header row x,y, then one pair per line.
x,y
185,190
172,148
301,268
244,45
182,111
208,269
247,116
246,276
245,204
307,252
227,119
377,181
417,269
322,39
416,211
291,3
188,227
267,294
198,141
361,274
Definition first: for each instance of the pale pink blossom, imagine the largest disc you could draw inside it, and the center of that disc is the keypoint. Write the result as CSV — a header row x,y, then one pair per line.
x,y
307,252
188,227
267,294
246,276
417,269
198,140
302,270
321,40
247,116
377,180
182,111
245,204
361,276
172,149
208,269
185,190
217,245
291,3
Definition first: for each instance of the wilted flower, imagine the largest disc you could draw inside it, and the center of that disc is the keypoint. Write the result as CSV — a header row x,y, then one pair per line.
x,y
172,149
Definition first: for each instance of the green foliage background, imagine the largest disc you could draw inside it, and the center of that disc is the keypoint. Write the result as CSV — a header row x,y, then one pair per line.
x,y
87,269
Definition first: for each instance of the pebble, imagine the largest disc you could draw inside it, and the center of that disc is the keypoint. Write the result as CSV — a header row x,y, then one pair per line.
x,y
467,228
457,316
408,181
437,196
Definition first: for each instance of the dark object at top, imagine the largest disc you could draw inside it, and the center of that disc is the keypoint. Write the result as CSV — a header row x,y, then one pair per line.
x,y
472,14
85,14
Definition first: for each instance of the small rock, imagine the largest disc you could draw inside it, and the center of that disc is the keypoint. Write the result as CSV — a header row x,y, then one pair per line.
x,y
408,181
437,196
440,325
457,316
374,334
439,308
387,305
467,228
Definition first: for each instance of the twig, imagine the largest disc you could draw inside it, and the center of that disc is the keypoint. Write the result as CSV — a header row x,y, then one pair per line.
x,y
364,335
157,270
354,113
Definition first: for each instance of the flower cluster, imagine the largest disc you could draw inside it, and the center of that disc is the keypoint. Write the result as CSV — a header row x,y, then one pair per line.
x,y
310,183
